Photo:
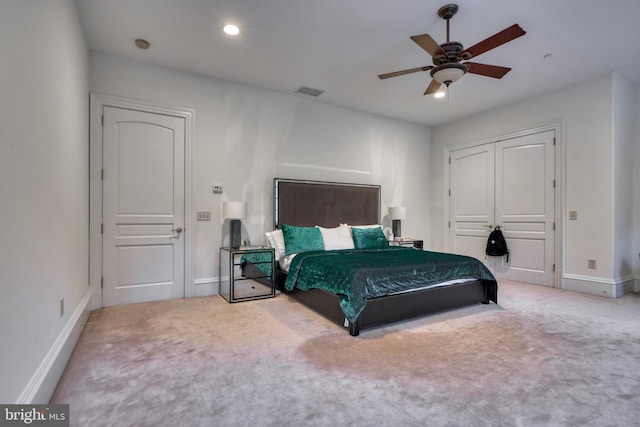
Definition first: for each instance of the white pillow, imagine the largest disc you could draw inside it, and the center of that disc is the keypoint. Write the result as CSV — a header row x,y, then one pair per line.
x,y
366,226
285,262
337,238
276,241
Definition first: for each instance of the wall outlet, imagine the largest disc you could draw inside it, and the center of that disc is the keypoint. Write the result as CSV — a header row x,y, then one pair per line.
x,y
203,216
591,264
61,307
216,188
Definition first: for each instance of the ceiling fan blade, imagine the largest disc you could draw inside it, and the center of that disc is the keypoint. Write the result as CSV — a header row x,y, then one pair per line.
x,y
429,44
403,72
487,70
498,39
432,88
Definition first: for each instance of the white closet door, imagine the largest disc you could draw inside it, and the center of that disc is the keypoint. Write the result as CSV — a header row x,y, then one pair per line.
x,y
508,183
143,206
471,199
525,195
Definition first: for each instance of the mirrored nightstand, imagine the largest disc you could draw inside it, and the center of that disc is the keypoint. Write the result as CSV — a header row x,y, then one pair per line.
x,y
246,273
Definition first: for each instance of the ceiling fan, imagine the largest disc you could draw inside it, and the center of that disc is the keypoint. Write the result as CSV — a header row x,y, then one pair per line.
x,y
447,67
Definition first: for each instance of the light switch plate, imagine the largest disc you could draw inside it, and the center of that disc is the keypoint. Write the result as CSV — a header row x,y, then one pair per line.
x,y
203,216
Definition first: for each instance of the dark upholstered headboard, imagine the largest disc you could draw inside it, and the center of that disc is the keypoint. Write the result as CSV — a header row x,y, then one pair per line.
x,y
327,204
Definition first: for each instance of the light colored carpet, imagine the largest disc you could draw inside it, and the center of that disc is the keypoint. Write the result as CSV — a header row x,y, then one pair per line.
x,y
542,357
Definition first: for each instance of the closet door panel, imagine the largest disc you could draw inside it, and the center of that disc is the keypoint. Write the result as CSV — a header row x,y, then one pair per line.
x,y
508,183
471,199
524,200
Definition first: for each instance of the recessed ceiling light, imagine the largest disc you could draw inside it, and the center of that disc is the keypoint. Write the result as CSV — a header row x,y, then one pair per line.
x,y
142,44
439,94
231,29
305,90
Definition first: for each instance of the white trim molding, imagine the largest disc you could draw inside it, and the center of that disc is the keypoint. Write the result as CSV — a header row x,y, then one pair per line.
x,y
206,286
44,381
599,286
98,102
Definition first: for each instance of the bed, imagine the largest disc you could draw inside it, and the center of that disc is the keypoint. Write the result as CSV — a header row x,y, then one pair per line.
x,y
362,274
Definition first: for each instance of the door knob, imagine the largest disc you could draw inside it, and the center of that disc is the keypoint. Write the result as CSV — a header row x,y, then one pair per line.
x,y
488,226
177,230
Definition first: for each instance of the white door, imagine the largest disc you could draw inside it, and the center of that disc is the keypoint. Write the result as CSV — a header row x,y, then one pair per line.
x,y
143,206
472,181
525,200
508,183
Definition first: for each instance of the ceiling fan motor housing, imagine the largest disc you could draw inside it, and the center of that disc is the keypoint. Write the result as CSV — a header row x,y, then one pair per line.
x,y
453,51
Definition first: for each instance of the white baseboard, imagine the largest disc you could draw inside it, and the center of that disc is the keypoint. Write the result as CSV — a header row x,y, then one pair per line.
x,y
628,284
598,286
205,287
44,381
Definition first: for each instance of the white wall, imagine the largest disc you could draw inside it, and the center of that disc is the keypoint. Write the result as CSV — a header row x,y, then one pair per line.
x,y
43,192
586,109
244,137
623,142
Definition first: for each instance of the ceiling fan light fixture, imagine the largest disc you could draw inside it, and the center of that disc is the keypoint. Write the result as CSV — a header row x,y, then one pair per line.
x,y
439,94
448,73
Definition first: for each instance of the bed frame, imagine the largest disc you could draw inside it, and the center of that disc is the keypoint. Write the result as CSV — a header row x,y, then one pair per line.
x,y
328,204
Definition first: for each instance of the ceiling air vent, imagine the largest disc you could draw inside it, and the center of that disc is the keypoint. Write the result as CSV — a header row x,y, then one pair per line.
x,y
309,91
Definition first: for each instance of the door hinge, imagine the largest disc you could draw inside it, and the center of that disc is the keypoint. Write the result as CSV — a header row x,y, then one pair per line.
x,y
553,268
449,224
449,192
554,140
102,120
101,282
554,226
449,160
102,174
554,183
102,228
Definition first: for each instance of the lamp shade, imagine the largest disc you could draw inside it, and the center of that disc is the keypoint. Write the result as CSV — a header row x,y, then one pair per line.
x,y
234,210
448,73
397,212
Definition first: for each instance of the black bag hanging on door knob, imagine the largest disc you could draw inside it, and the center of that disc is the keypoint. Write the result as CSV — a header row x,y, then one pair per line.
x,y
496,244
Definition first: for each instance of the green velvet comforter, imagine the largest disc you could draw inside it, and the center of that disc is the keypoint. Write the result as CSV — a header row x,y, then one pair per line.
x,y
357,275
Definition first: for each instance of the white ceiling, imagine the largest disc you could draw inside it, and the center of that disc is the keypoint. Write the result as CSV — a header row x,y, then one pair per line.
x,y
340,46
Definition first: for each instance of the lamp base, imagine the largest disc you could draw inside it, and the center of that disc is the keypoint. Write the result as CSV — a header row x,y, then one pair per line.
x,y
395,226
234,233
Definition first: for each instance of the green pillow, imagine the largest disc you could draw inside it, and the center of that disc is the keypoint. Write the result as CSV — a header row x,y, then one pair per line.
x,y
301,239
369,238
